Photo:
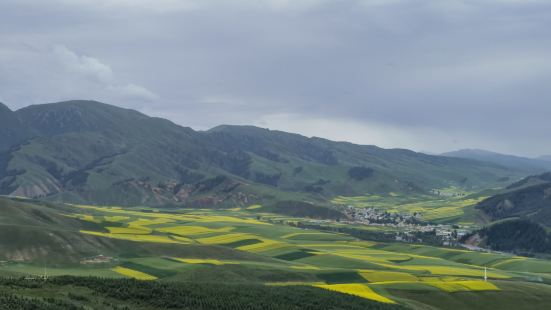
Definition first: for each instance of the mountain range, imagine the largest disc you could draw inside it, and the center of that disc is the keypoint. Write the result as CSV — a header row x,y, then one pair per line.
x,y
535,165
91,152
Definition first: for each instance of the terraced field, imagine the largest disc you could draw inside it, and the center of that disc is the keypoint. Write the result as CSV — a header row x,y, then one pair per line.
x,y
281,255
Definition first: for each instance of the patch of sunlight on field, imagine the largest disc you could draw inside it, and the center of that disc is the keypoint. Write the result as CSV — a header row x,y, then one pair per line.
x,y
253,207
229,219
205,261
115,218
164,218
147,222
85,217
264,245
305,267
138,238
192,230
360,290
386,276
138,275
235,209
463,286
129,230
227,238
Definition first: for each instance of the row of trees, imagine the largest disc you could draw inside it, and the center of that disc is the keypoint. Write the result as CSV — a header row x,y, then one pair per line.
x,y
178,295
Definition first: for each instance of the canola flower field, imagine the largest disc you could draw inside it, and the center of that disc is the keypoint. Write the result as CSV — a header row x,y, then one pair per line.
x,y
326,260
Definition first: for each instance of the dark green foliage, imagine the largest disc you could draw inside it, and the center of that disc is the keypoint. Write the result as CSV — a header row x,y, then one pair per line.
x,y
360,173
239,243
304,209
303,253
519,236
341,277
267,179
159,273
15,302
132,294
529,198
239,273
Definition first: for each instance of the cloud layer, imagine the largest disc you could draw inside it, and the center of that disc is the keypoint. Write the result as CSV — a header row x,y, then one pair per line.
x,y
428,75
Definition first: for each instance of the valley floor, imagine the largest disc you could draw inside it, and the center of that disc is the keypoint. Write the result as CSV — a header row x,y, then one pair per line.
x,y
245,247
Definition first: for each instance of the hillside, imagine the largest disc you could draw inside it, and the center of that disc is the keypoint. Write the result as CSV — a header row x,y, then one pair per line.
x,y
90,152
515,236
536,165
529,198
33,231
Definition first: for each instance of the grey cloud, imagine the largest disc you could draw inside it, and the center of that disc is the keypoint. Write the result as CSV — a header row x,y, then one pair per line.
x,y
455,73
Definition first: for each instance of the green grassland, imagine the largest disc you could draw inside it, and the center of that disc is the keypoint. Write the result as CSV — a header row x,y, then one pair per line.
x,y
243,247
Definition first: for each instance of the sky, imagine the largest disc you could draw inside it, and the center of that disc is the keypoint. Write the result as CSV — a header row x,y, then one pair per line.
x,y
428,75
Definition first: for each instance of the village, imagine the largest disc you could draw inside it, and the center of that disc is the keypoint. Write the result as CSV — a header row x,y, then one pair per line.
x,y
408,227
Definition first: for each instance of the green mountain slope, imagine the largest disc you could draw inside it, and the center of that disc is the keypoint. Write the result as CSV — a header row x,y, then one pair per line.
x,y
529,198
90,152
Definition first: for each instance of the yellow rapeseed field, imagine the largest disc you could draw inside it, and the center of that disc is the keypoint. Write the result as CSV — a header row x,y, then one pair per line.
x,y
129,230
386,276
460,286
115,218
192,230
146,222
356,289
205,261
133,273
264,245
137,238
227,238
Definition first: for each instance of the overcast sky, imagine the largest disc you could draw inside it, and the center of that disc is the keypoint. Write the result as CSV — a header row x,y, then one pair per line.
x,y
429,75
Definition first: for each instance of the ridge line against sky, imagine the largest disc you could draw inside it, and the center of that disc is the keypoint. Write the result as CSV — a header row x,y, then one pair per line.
x,y
419,74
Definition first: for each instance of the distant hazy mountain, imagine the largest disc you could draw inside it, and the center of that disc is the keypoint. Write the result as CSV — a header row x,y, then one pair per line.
x,y
90,152
517,162
11,129
545,157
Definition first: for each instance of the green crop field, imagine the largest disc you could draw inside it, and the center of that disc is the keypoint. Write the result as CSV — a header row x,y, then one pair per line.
x,y
239,246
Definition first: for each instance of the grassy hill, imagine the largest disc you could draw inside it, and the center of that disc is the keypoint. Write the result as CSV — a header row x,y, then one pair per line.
x,y
529,198
90,152
39,232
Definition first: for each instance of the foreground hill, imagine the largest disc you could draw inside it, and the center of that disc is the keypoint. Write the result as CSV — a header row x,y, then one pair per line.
x,y
87,293
86,151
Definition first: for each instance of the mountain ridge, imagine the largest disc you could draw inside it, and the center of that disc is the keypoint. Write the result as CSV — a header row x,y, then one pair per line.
x,y
91,152
535,165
